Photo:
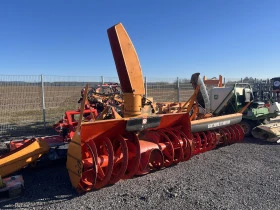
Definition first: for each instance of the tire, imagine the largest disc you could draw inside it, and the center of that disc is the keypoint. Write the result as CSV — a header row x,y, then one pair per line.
x,y
247,126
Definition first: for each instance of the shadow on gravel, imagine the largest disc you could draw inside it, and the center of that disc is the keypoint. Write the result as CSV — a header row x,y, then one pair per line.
x,y
252,140
44,185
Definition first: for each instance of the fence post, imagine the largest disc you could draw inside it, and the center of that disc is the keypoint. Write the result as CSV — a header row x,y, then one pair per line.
x,y
178,89
43,102
146,86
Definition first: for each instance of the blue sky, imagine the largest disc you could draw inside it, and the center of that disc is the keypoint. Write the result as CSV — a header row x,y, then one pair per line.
x,y
234,38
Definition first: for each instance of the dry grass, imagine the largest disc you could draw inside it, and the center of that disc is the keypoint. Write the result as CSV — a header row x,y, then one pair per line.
x,y
21,109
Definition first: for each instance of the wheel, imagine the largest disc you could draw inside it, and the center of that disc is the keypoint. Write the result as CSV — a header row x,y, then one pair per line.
x,y
247,126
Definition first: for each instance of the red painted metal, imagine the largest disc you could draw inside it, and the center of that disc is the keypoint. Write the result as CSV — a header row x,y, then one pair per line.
x,y
67,126
55,140
151,157
120,159
164,144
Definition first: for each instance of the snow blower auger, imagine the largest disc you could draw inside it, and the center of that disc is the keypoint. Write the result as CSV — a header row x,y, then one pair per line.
x,y
104,151
203,124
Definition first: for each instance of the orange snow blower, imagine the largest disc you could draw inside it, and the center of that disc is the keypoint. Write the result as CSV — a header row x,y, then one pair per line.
x,y
103,152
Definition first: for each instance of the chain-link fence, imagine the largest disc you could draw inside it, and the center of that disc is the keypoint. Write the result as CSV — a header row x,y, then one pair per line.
x,y
30,105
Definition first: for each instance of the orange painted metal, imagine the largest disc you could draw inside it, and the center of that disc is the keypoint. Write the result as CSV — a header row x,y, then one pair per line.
x,y
126,60
110,153
55,140
213,82
103,152
20,157
151,157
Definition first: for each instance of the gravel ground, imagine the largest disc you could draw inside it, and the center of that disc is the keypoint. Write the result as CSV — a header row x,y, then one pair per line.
x,y
244,175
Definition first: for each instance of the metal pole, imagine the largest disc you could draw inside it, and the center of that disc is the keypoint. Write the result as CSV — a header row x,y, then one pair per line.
x,y
178,89
43,101
146,87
